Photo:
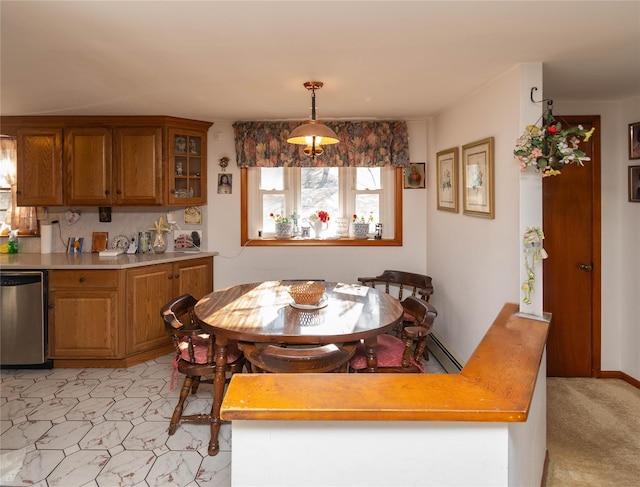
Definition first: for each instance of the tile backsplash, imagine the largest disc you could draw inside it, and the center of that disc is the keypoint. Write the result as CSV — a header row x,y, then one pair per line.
x,y
124,221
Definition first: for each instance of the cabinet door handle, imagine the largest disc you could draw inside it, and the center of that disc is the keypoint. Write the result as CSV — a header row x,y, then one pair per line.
x,y
172,191
18,192
81,279
170,276
177,276
118,192
106,192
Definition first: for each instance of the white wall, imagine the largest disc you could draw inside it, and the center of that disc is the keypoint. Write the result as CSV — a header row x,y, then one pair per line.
x,y
237,265
620,234
475,262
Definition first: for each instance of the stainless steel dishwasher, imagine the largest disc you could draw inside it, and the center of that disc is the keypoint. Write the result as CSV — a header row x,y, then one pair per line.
x,y
23,314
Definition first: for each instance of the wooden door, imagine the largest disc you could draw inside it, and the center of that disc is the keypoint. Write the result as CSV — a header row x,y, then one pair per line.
x,y
88,166
39,167
138,166
571,224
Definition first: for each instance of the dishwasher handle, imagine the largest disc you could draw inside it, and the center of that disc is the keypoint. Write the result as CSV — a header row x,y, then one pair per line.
x,y
8,279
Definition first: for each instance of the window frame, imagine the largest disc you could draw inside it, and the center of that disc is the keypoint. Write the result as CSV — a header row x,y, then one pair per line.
x,y
245,240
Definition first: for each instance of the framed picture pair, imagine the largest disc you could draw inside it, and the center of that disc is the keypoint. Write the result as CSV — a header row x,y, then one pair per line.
x,y
477,179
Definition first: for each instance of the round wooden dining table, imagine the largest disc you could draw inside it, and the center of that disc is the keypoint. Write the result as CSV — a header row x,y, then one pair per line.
x,y
264,312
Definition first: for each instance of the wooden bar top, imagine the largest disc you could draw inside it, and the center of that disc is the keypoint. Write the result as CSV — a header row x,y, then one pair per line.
x,y
496,385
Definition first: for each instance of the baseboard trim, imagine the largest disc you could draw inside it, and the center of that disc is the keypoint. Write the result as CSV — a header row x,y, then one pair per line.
x,y
545,469
615,374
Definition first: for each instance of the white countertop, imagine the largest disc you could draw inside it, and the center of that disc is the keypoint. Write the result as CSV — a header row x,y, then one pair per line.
x,y
36,261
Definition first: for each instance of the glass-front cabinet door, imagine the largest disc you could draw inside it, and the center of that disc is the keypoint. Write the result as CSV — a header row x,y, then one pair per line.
x,y
187,167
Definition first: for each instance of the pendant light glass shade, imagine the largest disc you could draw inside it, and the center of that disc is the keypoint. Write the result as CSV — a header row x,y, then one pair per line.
x,y
313,133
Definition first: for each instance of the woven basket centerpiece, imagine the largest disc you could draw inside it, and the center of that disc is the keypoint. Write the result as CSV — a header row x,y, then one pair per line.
x,y
309,293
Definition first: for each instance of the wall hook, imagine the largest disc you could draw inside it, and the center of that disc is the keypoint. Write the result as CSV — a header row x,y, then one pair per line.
x,y
548,100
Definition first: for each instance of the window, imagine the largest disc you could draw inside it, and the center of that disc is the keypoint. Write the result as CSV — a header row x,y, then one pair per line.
x,y
22,218
297,192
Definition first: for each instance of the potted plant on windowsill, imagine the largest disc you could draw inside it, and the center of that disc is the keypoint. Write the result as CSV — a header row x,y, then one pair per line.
x,y
360,226
283,225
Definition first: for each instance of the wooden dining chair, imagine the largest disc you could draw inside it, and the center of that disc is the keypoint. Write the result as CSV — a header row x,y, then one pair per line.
x,y
275,358
400,284
194,355
401,354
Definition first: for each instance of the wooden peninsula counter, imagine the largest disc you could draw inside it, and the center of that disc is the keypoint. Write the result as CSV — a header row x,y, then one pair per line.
x,y
484,426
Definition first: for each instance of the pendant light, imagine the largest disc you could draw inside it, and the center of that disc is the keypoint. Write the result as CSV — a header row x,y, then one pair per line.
x,y
313,133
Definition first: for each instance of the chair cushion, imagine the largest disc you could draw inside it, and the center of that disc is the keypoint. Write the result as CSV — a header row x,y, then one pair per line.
x,y
389,354
200,348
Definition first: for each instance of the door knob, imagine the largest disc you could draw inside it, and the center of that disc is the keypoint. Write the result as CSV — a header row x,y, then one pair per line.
x,y
586,267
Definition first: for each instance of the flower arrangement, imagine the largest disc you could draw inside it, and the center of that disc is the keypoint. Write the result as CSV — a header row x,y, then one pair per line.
x,y
362,219
533,253
319,216
278,218
550,147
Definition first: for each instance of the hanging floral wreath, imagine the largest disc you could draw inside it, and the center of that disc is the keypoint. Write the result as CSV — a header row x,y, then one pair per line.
x,y
550,147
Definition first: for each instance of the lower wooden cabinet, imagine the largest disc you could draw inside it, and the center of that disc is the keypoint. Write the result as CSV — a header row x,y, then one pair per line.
x,y
84,312
111,318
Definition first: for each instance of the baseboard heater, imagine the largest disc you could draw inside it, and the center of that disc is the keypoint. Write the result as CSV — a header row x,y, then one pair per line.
x,y
443,354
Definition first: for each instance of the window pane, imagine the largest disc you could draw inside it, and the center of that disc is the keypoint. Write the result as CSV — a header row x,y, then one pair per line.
x,y
320,191
272,203
368,178
272,178
367,204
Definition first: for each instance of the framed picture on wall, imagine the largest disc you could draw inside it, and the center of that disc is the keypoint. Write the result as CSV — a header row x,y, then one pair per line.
x,y
634,140
447,179
634,184
477,179
414,177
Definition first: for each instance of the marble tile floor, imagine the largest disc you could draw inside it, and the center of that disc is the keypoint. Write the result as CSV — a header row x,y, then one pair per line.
x,y
107,428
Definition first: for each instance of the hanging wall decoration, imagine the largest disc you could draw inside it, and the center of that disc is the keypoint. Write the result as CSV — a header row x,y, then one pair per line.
x,y
549,147
533,253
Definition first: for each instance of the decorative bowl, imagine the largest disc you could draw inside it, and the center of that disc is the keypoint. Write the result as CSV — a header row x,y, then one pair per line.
x,y
308,293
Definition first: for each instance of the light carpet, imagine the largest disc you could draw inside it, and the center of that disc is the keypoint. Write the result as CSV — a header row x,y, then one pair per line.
x,y
593,433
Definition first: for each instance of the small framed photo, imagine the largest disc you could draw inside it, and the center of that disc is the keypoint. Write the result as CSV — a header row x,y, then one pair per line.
x,y
414,175
187,240
477,179
75,245
104,213
224,183
634,184
634,140
99,241
447,179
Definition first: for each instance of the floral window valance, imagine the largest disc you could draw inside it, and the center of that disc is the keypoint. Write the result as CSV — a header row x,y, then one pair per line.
x,y
362,144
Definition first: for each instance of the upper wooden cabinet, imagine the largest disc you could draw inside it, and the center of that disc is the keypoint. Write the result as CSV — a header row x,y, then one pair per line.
x,y
88,162
110,161
39,168
138,167
187,167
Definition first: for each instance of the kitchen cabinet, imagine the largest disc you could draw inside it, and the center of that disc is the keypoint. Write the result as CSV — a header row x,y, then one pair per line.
x,y
85,310
149,288
132,177
39,167
111,318
88,160
138,166
187,167
110,160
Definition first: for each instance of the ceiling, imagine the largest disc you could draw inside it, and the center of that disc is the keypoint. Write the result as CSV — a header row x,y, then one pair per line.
x,y
241,60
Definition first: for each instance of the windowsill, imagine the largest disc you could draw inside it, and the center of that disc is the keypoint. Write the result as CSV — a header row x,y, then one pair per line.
x,y
324,242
